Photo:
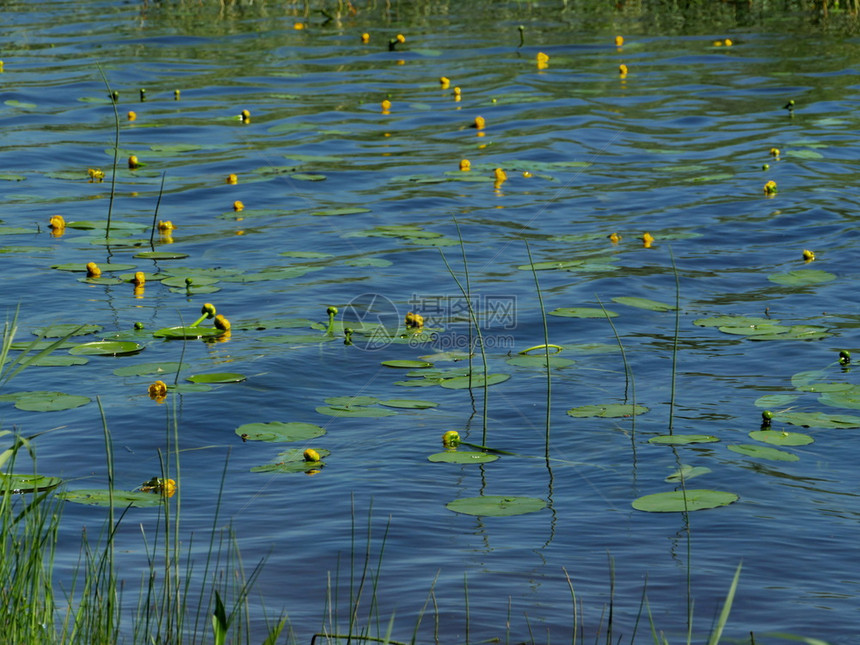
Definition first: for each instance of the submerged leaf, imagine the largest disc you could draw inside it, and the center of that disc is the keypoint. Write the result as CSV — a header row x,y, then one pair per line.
x,y
693,499
496,505
279,431
610,410
763,452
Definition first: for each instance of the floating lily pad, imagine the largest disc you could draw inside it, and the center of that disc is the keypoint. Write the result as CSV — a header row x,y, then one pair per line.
x,y
293,461
355,411
643,303
682,439
845,398
778,438
774,400
183,333
160,255
582,312
795,332
477,380
693,499
496,505
55,360
368,262
348,210
752,330
49,401
39,345
462,457
81,267
819,419
805,378
734,321
306,254
805,154
539,360
102,497
184,388
182,281
592,348
827,388
219,377
102,279
610,410
347,401
59,330
763,452
279,431
801,277
27,483
685,473
418,382
148,369
408,404
306,176
454,355
407,364
107,348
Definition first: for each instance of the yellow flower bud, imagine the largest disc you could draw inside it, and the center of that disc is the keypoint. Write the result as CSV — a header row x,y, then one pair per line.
x,y
139,278
165,226
209,309
615,238
133,162
245,116
480,122
445,82
365,37
542,58
400,38
647,240
232,179
770,188
132,115
774,152
96,175
158,389
299,26
619,40
465,165
238,206
414,320
728,42
386,106
311,455
808,255
500,175
451,439
57,222
622,69
222,323
176,94
93,270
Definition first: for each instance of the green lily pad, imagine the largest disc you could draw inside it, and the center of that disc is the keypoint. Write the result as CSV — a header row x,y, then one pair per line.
x,y
734,321
610,410
55,360
368,262
182,281
819,419
496,505
477,380
462,457
407,364
804,154
454,355
149,369
38,345
219,377
306,176
827,388
795,332
418,382
778,438
845,398
354,411
408,404
763,452
59,330
686,473
160,255
539,360
774,400
102,497
81,267
107,348
592,348
582,312
693,499
293,461
807,377
50,401
184,388
103,279
187,333
306,254
279,431
347,401
27,483
801,277
348,210
752,330
643,303
682,439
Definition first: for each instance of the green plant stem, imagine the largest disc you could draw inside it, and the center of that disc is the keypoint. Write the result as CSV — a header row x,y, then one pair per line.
x,y
546,353
675,341
115,151
155,213
628,375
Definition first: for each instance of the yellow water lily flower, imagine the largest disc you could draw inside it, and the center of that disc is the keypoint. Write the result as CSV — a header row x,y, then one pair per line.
x,y
232,179
619,40
245,116
808,255
93,270
222,323
615,238
400,38
176,95
165,226
311,455
365,37
647,240
238,206
166,487
299,26
480,122
57,222
445,82
770,188
458,94
139,278
157,389
133,162
465,165
96,175
386,106
728,42
451,439
542,60
500,175
622,69
132,115
414,320
774,152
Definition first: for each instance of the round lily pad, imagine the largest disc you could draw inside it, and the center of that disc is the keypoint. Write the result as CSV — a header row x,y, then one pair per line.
x,y
801,277
774,400
279,431
102,497
462,457
50,401
734,321
81,267
355,411
407,364
477,380
147,369
778,438
845,398
219,377
347,401
795,332
160,255
643,303
408,404
293,461
610,410
496,505
582,312
27,483
682,439
182,281
694,499
55,360
686,473
59,330
763,452
187,333
819,419
107,348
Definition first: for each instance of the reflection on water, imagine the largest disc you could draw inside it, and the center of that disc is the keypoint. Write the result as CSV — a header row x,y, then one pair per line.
x,y
342,199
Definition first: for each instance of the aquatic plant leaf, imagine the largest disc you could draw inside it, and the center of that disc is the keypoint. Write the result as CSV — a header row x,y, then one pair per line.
x,y
693,499
795,332
752,330
774,400
187,333
407,364
610,410
582,312
102,497
148,369
349,210
103,279
682,439
368,262
477,380
801,277
59,330
408,404
107,348
539,360
734,321
592,348
81,267
643,303
496,505
347,401
279,431
183,388
778,438
418,383
88,225
818,419
219,377
453,355
309,255
293,461
462,457
196,289
355,411
826,387
27,483
804,154
686,473
763,452
183,281
38,345
306,176
807,377
55,360
50,401
160,255
845,398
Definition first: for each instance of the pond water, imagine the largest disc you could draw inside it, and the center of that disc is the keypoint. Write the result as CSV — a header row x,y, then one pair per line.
x,y
352,205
